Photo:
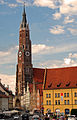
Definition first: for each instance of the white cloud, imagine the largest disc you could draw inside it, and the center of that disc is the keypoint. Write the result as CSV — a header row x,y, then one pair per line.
x,y
44,49
50,64
67,61
12,5
2,2
68,7
20,1
72,55
56,16
8,56
57,29
45,3
8,80
41,48
68,20
26,2
70,60
73,31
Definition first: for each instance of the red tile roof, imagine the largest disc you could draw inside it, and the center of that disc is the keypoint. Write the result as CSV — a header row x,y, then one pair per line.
x,y
55,78
5,89
61,78
38,77
38,74
3,96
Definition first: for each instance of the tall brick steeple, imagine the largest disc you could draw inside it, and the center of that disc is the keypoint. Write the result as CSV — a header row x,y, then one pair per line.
x,y
24,66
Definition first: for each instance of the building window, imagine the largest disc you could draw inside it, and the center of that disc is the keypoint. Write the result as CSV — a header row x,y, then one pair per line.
x,y
75,102
55,95
67,94
49,95
47,102
27,70
64,94
46,95
68,102
23,46
58,102
65,102
75,94
55,102
58,94
26,34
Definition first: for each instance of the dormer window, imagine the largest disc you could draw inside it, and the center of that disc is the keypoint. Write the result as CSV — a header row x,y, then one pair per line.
x,y
59,85
68,84
49,85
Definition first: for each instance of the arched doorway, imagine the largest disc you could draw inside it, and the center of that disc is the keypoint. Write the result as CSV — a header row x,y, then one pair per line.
x,y
17,103
67,111
57,111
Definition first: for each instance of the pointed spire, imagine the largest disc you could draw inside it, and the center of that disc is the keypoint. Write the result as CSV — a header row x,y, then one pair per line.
x,y
24,15
24,21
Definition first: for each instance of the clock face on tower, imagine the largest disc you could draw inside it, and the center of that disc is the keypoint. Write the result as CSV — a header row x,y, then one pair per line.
x,y
27,53
20,54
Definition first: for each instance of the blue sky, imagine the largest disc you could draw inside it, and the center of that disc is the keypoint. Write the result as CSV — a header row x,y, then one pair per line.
x,y
53,32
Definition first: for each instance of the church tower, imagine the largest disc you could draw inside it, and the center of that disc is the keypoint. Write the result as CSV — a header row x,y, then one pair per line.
x,y
24,71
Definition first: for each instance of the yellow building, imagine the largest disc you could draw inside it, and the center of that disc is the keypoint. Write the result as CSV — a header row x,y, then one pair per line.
x,y
60,90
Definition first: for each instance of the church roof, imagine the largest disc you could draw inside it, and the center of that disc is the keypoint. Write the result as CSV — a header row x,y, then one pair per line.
x,y
38,74
57,78
5,89
61,78
3,96
38,77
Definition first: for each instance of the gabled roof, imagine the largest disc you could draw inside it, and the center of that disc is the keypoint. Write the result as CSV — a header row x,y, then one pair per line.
x,y
3,96
56,78
61,78
38,77
5,89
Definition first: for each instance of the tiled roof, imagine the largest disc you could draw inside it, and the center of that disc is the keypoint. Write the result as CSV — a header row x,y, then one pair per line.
x,y
8,91
38,77
3,96
55,78
61,78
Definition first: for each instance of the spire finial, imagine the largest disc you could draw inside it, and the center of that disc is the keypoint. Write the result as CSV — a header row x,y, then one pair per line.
x,y
24,15
24,6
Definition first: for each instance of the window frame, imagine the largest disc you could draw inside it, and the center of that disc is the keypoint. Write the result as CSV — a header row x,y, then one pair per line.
x,y
64,94
55,95
49,102
46,95
58,95
49,95
46,102
67,94
55,102
65,102
58,102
